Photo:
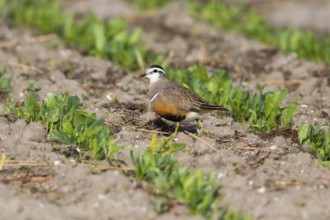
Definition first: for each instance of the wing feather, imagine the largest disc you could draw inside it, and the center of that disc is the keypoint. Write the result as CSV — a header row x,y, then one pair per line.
x,y
186,100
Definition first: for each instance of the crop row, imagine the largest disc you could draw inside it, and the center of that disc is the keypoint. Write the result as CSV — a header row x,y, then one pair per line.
x,y
111,40
248,22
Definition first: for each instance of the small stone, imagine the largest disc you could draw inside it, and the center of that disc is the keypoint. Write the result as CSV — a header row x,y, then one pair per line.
x,y
261,190
273,147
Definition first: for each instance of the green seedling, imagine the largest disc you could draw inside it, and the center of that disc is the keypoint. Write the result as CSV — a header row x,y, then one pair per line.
x,y
262,110
317,139
44,14
250,23
200,191
90,34
68,123
165,146
147,4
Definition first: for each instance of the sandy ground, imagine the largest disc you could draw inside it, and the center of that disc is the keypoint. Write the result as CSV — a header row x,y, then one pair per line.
x,y
266,175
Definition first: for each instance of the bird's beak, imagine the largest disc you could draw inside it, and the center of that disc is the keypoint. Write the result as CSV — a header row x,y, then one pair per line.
x,y
143,75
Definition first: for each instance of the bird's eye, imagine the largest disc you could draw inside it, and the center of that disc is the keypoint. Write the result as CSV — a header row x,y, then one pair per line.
x,y
155,71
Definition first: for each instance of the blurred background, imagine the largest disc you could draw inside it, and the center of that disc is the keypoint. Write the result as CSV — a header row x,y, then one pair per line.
x,y
306,14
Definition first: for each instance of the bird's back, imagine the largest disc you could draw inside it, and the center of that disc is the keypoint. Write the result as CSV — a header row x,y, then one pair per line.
x,y
180,97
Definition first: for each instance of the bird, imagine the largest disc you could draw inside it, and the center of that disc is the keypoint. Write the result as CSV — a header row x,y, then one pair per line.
x,y
172,101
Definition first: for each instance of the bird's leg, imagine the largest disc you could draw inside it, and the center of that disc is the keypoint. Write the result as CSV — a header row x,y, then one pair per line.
x,y
177,125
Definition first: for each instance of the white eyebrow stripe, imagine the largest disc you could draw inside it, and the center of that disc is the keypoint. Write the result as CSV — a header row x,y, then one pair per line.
x,y
154,97
158,70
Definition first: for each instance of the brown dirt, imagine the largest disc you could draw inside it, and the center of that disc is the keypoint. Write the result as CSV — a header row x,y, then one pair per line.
x,y
268,176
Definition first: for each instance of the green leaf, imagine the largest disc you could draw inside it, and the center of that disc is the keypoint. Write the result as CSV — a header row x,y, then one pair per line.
x,y
32,110
73,102
99,35
68,128
79,119
135,36
176,148
304,133
287,115
153,144
161,181
60,136
273,102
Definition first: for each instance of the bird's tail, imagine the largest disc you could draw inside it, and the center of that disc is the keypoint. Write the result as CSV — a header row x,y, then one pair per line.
x,y
207,107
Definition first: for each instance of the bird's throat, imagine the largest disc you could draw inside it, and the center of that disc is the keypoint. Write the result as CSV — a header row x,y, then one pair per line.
x,y
153,78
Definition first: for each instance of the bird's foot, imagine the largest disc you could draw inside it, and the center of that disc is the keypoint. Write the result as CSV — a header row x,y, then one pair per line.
x,y
199,127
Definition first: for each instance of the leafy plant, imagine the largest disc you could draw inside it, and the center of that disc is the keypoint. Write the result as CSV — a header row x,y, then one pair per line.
x,y
200,191
44,14
90,34
262,110
5,83
68,123
317,139
165,146
147,4
249,22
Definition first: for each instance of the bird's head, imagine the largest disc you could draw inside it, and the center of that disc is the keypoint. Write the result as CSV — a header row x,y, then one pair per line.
x,y
154,73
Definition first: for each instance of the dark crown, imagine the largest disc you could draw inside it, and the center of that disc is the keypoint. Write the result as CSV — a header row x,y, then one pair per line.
x,y
156,66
